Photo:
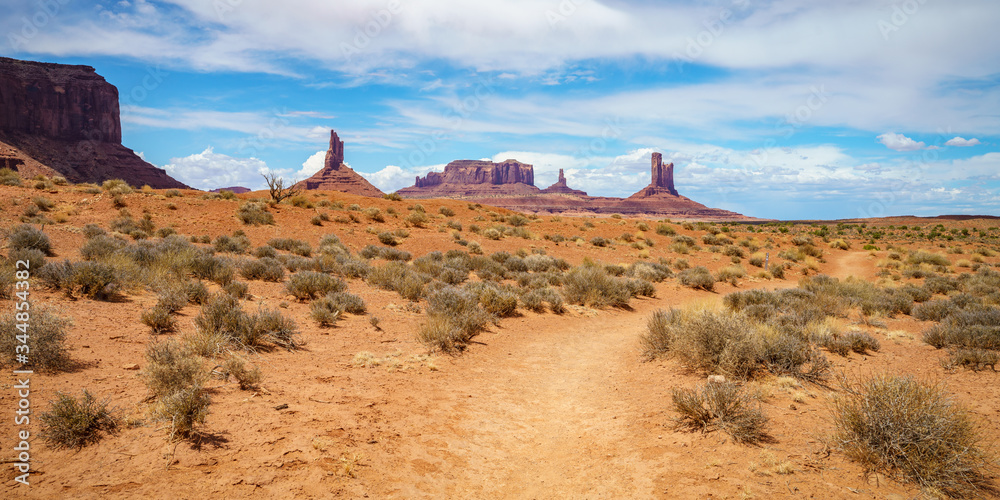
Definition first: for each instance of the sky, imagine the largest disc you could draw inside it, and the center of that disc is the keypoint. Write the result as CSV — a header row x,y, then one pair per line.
x,y
786,109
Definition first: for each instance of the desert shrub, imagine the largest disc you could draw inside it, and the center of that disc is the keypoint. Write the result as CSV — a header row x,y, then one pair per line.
x,y
75,423
801,240
934,310
597,241
729,273
650,271
454,317
296,247
840,245
861,342
266,269
347,302
720,406
222,316
25,237
972,359
237,289
733,251
231,244
387,238
95,280
417,219
9,177
325,311
217,269
914,431
398,277
697,277
254,213
306,285
593,286
665,230
247,378
940,284
976,328
922,257
46,339
386,253
116,187
34,258
170,368
158,319
497,301
730,343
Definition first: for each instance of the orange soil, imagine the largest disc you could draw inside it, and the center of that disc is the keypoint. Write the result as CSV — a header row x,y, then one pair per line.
x,y
541,406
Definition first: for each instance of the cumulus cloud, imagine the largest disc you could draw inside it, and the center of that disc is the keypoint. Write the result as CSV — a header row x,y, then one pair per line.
x,y
960,142
210,170
392,177
899,142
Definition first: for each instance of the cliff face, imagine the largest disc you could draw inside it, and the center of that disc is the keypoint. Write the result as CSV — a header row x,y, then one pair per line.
x,y
335,176
463,178
66,119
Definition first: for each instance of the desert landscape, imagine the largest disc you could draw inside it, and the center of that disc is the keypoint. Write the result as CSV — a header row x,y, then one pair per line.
x,y
727,290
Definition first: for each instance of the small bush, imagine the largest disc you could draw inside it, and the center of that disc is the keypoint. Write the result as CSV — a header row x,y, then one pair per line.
x,y
75,423
325,311
9,177
266,269
697,277
306,285
247,378
231,244
254,213
720,406
158,319
237,289
116,187
914,431
25,237
593,286
387,238
972,359
46,340
454,317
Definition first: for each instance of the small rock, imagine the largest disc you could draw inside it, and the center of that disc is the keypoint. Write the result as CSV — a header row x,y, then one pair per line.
x,y
131,366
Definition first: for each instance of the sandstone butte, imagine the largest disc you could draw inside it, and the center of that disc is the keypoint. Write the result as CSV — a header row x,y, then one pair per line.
x,y
510,185
58,119
336,176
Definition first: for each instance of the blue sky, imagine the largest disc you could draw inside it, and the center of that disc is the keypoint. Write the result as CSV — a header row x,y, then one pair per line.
x,y
772,108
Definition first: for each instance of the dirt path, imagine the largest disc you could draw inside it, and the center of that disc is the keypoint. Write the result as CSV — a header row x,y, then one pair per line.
x,y
547,416
855,263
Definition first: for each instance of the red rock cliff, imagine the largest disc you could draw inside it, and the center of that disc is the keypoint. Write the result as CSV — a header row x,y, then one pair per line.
x,y
66,118
662,182
476,178
335,176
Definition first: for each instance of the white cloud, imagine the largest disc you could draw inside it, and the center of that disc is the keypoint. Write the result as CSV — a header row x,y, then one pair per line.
x,y
210,170
962,143
899,142
392,177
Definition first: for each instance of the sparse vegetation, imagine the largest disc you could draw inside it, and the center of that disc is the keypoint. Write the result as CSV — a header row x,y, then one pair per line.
x,y
76,423
46,340
721,406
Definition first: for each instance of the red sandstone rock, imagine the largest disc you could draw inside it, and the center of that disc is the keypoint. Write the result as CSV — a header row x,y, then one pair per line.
x,y
560,187
662,182
335,176
467,178
66,118
233,189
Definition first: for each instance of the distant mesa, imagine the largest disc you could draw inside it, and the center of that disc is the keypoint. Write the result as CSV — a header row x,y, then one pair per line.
x,y
58,119
560,187
475,178
511,185
336,176
234,189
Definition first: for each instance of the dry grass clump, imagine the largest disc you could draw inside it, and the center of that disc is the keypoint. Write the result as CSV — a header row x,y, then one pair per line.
x,y
914,431
454,317
75,423
697,277
47,349
254,213
26,237
974,328
9,177
592,286
386,253
265,269
855,292
247,378
400,278
176,377
306,285
732,344
922,257
296,247
721,406
116,187
221,317
95,280
158,319
237,244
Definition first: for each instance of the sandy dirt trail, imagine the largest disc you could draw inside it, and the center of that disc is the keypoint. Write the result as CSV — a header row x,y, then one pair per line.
x,y
548,416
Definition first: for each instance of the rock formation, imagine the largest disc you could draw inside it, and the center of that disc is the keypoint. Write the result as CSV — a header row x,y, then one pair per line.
x,y
335,176
560,187
233,189
473,178
662,182
504,185
63,119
